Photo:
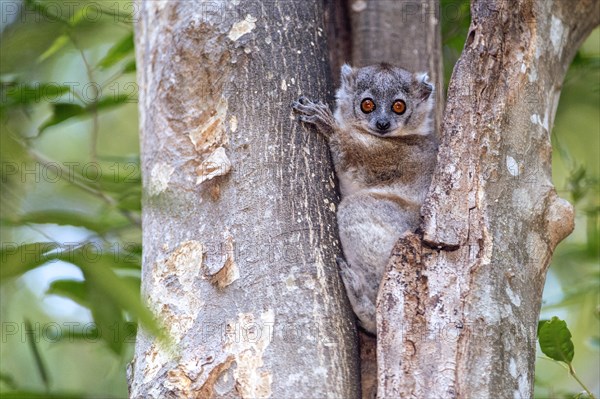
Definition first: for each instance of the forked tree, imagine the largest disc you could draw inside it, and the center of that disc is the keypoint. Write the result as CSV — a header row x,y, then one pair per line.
x,y
239,226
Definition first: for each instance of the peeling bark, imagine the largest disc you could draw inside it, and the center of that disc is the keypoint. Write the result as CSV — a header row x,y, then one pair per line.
x,y
239,206
459,305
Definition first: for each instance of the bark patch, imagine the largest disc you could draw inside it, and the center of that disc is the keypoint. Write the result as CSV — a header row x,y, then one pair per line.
x,y
225,273
252,380
159,178
173,281
217,164
240,28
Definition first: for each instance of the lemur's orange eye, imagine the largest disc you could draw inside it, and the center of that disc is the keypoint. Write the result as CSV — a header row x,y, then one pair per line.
x,y
399,107
367,105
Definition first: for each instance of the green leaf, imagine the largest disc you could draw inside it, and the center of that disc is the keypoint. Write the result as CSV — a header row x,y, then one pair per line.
x,y
555,340
58,44
110,102
71,289
577,183
118,52
133,282
122,177
18,259
123,256
593,234
130,67
8,380
62,112
98,272
39,363
540,325
90,334
79,16
131,202
107,313
70,218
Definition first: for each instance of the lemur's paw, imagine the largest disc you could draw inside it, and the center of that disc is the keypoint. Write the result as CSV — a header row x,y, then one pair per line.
x,y
317,114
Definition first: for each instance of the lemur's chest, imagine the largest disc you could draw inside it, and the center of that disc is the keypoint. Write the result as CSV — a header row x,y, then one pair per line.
x,y
364,163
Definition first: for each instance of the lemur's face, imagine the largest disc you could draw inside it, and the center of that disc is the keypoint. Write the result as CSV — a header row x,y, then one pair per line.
x,y
382,111
386,101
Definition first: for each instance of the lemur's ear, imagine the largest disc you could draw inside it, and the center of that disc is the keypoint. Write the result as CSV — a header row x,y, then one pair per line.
x,y
425,88
348,75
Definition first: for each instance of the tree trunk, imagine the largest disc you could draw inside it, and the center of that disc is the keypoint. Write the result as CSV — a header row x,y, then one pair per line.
x,y
459,305
339,36
239,210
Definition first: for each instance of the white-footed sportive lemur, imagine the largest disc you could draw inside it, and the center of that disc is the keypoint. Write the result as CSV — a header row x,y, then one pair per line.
x,y
384,150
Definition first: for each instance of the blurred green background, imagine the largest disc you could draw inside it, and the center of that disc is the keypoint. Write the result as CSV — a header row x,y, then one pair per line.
x,y
71,189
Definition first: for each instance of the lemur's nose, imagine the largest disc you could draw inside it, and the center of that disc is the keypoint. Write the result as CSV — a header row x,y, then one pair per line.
x,y
382,125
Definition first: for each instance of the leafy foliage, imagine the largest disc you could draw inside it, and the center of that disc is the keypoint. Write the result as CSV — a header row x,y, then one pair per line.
x,y
76,71
555,340
63,111
574,276
118,52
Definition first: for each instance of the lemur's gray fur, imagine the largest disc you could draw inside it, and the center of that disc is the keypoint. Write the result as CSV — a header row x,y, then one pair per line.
x,y
384,162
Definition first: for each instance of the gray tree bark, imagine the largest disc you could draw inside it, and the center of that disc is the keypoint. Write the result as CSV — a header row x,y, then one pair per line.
x,y
459,305
239,209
